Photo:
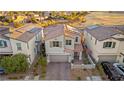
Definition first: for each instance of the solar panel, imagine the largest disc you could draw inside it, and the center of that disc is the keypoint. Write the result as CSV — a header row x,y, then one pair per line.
x,y
35,30
92,27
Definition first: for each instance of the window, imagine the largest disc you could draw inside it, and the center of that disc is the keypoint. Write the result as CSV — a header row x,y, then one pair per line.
x,y
18,46
3,44
109,45
68,42
76,39
56,44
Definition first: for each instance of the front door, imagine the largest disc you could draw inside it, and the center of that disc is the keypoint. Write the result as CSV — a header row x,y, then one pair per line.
x,y
76,55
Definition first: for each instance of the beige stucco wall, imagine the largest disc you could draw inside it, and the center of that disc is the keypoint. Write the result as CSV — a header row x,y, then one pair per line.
x,y
69,46
101,50
14,46
55,49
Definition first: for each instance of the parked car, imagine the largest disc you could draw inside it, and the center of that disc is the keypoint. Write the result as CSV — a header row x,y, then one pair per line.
x,y
111,71
119,67
2,71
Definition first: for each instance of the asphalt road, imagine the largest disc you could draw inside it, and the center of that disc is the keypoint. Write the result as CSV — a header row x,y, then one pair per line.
x,y
58,71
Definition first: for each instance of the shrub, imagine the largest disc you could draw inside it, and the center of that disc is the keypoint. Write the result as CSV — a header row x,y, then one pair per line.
x,y
78,78
17,24
13,64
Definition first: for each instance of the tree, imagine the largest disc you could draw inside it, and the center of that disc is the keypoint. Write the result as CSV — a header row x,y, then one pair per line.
x,y
17,24
14,64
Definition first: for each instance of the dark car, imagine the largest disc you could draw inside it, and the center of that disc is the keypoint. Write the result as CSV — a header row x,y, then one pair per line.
x,y
111,71
2,71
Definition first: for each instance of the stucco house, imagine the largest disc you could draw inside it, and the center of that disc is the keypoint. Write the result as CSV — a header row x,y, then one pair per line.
x,y
26,40
62,44
105,43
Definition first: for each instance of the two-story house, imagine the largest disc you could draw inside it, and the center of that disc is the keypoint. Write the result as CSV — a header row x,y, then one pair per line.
x,y
26,40
62,44
105,43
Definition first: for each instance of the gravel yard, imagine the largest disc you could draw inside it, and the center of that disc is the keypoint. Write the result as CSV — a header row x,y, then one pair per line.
x,y
82,74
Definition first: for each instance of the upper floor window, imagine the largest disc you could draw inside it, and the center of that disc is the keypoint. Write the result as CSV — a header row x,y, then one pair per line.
x,y
68,42
109,45
18,46
3,44
76,39
55,44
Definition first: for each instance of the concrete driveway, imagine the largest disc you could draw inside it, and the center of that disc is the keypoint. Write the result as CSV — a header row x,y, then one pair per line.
x,y
58,71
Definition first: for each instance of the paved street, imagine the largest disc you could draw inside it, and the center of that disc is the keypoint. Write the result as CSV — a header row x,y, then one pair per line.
x,y
58,71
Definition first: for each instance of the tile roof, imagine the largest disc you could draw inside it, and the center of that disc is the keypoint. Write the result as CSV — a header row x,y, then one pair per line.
x,y
53,31
25,37
57,30
103,32
26,32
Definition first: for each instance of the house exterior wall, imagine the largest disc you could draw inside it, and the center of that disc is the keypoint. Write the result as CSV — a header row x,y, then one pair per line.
x,y
97,49
102,50
57,50
120,58
14,47
121,47
8,49
72,43
91,44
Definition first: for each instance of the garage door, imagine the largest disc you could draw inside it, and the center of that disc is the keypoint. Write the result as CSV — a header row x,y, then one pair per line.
x,y
58,58
109,58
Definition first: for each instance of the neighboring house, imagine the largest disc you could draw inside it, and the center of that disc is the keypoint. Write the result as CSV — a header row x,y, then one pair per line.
x,y
5,44
62,44
105,43
26,40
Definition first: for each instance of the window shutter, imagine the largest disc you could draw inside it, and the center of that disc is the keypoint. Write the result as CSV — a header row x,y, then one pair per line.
x,y
5,44
60,44
1,43
104,44
113,45
51,43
